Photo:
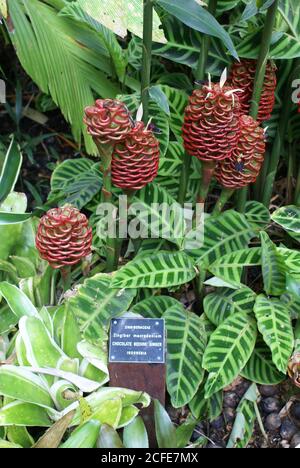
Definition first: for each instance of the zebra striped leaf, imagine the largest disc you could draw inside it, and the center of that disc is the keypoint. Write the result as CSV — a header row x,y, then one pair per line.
x,y
244,424
157,271
291,259
273,267
288,217
171,164
178,101
230,267
155,306
274,323
260,368
77,180
228,351
186,340
257,214
220,305
96,303
222,235
158,212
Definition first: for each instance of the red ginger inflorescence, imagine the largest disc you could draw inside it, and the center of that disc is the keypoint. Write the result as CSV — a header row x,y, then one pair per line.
x,y
64,237
135,160
246,161
108,121
212,123
242,77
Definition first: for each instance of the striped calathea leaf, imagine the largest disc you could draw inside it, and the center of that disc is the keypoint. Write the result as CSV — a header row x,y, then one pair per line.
x,y
274,323
163,270
97,301
273,267
246,416
260,367
229,349
186,341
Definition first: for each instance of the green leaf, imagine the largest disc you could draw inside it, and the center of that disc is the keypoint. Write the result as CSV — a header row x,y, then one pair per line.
x,y
244,424
274,323
7,219
10,170
157,271
288,217
119,16
24,414
159,213
186,341
84,437
185,431
223,235
165,430
273,267
78,181
196,17
18,302
155,306
228,351
135,435
64,59
157,95
177,102
257,214
225,302
109,438
20,436
199,405
171,164
96,303
23,385
230,267
260,368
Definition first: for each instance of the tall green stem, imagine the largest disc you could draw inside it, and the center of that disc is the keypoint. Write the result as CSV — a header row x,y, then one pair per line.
x,y
147,54
225,196
199,76
259,80
280,135
297,190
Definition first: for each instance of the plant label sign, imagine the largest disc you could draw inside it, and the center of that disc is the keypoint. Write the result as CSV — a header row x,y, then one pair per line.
x,y
137,341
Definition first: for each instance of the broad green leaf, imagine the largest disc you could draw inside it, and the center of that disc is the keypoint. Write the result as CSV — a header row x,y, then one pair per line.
x,y
215,405
260,368
109,438
96,399
158,271
177,101
120,16
70,333
223,235
159,214
288,217
64,59
225,302
129,413
228,351
198,405
244,424
273,267
96,303
157,95
291,259
165,430
109,413
8,320
135,434
41,349
20,436
185,431
77,181
155,306
274,323
171,164
257,214
10,170
58,392
25,386
84,437
186,342
196,17
230,267
292,302
18,302
24,267
24,414
7,219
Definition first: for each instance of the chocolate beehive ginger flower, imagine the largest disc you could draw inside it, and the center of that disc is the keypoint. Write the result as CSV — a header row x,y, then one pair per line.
x,y
242,76
212,123
64,237
108,121
246,161
135,160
